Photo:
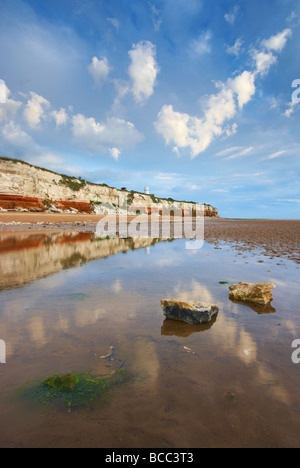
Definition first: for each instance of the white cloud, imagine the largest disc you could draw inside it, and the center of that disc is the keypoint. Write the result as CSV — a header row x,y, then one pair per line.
x,y
18,140
18,143
96,137
290,200
99,69
115,153
8,107
275,155
243,152
34,111
236,48
277,42
290,110
60,117
202,45
232,15
166,176
4,92
244,86
192,187
143,70
114,22
263,61
228,151
196,134
156,18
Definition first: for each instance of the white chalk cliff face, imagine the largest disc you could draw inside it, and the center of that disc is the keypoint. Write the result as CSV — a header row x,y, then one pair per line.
x,y
21,180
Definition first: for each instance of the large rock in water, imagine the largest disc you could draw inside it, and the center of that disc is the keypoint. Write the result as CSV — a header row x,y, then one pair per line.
x,y
189,312
257,293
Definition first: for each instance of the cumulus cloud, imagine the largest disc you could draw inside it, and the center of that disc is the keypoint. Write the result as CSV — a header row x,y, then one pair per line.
x,y
277,42
17,139
8,107
143,70
115,153
3,92
99,69
60,117
35,110
263,60
236,49
184,131
113,135
244,87
196,134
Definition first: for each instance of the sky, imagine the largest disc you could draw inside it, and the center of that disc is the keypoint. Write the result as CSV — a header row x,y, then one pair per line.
x,y
197,99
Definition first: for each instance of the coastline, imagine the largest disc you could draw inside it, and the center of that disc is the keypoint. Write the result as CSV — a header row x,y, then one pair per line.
x,y
273,238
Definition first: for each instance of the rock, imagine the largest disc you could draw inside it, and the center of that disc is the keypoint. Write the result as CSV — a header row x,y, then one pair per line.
x,y
53,209
257,293
189,312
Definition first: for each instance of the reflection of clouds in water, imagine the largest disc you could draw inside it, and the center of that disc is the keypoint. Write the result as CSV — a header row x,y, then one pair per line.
x,y
247,348
37,332
146,361
62,324
235,339
84,317
293,328
194,292
166,262
269,380
116,287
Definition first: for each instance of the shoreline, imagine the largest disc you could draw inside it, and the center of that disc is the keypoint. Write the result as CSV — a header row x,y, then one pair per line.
x,y
275,239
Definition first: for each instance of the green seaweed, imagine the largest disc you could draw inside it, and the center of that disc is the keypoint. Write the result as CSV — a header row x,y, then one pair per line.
x,y
73,390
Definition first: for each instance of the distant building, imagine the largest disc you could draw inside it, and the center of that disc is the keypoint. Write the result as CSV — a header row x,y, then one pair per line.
x,y
147,190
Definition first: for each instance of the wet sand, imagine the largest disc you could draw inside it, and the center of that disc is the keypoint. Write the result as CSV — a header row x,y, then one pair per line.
x,y
275,238
237,388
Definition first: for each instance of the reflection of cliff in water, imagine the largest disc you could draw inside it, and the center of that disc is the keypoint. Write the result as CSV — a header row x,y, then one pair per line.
x,y
27,257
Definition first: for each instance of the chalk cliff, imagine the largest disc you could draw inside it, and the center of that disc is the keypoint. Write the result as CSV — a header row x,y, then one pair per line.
x,y
27,187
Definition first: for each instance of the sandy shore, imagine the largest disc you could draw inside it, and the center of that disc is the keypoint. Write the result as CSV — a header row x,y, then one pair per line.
x,y
34,218
275,238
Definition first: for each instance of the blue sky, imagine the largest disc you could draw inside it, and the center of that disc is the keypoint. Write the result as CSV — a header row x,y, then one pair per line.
x,y
193,98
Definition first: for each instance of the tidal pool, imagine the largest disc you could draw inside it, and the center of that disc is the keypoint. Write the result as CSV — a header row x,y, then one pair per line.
x,y
70,303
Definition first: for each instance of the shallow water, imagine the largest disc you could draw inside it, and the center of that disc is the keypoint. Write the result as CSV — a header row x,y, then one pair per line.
x,y
66,298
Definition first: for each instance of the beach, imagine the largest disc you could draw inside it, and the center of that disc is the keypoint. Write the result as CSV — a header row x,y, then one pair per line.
x,y
277,238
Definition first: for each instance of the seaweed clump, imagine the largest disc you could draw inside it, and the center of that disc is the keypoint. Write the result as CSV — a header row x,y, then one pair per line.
x,y
75,390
